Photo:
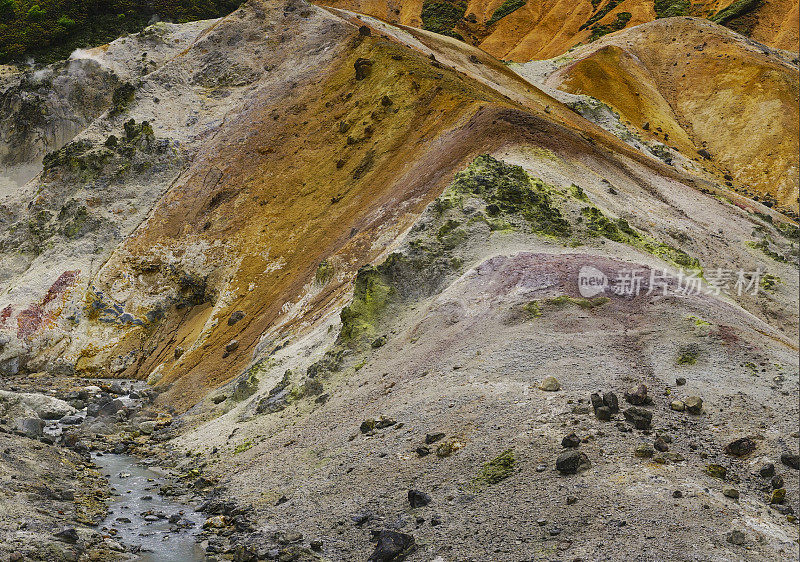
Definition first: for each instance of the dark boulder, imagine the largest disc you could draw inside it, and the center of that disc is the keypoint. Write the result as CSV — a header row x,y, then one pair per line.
x,y
392,546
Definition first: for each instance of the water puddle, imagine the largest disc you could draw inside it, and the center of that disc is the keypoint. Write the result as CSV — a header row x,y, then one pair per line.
x,y
163,529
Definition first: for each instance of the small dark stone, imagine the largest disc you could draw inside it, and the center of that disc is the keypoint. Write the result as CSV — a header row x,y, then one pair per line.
x,y
637,396
418,499
639,417
315,545
436,519
364,31
433,438
68,535
660,444
572,462
777,482
677,494
571,441
704,153
736,537
611,401
232,346
791,460
767,471
235,317
680,381
597,401
362,67
392,546
603,413
740,447
423,451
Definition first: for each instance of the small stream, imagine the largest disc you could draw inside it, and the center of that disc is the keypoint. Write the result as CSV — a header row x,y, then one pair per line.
x,y
164,529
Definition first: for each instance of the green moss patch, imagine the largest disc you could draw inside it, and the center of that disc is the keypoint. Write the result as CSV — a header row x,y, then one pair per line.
x,y
599,30
504,9
442,17
620,231
601,13
735,10
508,189
497,469
671,8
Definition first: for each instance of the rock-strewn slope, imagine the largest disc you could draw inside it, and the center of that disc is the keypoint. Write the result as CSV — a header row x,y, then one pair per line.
x,y
445,352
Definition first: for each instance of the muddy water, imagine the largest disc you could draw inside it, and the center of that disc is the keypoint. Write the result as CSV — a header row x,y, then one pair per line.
x,y
164,529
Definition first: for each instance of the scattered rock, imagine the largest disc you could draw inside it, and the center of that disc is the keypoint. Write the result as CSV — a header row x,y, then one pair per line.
x,y
643,451
791,460
611,402
30,427
431,438
767,471
235,317
147,427
392,546
571,441
716,471
660,444
777,481
70,420
603,413
740,447
550,384
677,406
778,495
363,68
572,462
639,417
418,499
736,537
637,396
694,405
232,346
68,535
680,381
732,493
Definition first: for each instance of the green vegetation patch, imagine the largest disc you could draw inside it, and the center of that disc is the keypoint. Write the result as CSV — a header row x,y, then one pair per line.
x,y
600,14
688,355
49,30
620,231
497,469
735,10
442,17
599,30
504,9
508,189
243,446
371,295
671,8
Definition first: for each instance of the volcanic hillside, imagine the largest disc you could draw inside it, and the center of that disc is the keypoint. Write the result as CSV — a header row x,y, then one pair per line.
x,y
346,255
520,31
